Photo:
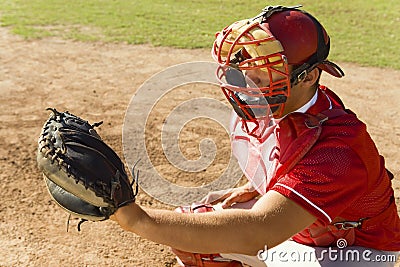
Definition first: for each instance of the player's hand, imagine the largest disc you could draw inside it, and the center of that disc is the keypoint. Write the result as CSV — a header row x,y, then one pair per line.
x,y
231,196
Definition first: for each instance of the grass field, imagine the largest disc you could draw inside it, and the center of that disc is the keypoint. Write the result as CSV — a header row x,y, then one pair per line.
x,y
362,31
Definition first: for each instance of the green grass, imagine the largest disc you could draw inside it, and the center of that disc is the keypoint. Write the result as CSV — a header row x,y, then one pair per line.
x,y
362,31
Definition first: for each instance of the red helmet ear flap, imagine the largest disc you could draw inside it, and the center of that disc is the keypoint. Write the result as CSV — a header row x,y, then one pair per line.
x,y
331,68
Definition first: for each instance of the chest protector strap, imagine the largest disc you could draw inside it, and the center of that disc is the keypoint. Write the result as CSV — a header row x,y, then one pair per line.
x,y
293,144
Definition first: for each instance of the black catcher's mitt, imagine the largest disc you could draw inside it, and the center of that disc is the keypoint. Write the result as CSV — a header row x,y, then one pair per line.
x,y
82,173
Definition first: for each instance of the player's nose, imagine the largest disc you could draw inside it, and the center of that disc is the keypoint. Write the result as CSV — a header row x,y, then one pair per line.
x,y
254,77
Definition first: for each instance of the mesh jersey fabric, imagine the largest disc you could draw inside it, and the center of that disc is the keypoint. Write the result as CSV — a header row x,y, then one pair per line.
x,y
342,177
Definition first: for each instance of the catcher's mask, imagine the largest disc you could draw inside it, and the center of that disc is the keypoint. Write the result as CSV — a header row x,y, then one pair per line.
x,y
276,38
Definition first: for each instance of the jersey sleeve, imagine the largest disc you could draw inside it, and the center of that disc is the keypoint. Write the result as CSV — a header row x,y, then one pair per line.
x,y
327,180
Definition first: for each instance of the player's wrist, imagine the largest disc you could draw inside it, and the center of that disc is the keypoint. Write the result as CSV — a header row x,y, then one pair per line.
x,y
248,187
129,216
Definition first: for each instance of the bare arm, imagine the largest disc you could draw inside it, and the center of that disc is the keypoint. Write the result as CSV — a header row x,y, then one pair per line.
x,y
272,220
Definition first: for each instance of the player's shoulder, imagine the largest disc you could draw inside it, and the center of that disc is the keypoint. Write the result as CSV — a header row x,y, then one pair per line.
x,y
346,125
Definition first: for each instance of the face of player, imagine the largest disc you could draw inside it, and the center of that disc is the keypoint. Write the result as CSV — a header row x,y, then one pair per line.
x,y
261,79
300,93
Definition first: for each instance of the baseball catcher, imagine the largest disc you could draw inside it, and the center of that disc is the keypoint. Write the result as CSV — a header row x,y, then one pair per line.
x,y
315,176
82,174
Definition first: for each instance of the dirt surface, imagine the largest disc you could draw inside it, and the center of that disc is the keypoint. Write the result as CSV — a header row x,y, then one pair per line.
x,y
97,81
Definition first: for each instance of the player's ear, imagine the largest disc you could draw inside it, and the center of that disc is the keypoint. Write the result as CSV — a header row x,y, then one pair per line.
x,y
311,77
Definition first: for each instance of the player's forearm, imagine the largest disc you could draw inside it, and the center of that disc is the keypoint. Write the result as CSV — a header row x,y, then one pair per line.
x,y
225,231
229,231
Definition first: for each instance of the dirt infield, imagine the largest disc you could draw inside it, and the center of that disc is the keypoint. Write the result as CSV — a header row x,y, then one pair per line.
x,y
97,81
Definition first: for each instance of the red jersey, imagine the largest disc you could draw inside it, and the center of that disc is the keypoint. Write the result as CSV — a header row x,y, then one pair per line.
x,y
341,177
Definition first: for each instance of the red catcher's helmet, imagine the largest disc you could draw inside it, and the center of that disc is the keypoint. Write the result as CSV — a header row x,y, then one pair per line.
x,y
277,37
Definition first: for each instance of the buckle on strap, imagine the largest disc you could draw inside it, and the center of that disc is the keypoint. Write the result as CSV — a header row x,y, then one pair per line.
x,y
346,225
368,222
